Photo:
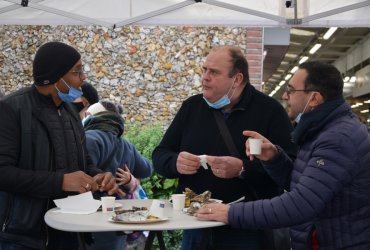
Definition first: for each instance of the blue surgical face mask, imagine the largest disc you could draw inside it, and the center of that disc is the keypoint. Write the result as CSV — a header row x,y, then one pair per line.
x,y
298,118
222,102
72,94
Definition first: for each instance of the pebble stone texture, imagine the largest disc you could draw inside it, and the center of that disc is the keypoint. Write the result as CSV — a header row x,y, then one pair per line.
x,y
148,70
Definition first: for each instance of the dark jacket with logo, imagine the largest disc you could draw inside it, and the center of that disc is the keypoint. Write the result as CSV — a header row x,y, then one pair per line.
x,y
39,142
329,188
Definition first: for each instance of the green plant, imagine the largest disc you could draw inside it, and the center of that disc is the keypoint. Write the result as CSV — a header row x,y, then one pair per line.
x,y
145,139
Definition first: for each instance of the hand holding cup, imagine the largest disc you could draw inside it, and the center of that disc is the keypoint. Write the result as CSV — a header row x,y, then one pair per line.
x,y
261,148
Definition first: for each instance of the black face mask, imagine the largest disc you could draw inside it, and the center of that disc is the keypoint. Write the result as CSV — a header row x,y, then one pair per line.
x,y
79,106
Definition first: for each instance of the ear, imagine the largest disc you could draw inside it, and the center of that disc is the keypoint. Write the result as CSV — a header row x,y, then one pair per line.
x,y
59,84
238,79
316,99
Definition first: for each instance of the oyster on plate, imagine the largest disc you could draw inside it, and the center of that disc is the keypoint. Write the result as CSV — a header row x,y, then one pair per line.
x,y
134,214
192,196
196,200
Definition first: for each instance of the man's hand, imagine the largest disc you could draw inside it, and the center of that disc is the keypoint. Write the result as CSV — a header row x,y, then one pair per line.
x,y
212,211
187,163
107,183
78,182
225,166
268,150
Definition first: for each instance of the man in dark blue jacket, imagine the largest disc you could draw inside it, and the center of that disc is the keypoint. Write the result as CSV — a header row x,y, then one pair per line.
x,y
327,201
43,152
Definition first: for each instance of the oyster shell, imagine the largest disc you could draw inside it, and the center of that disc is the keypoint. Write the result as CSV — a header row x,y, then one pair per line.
x,y
134,214
196,200
192,196
202,198
189,193
194,206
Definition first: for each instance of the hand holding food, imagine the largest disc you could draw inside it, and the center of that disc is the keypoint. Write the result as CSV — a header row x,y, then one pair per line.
x,y
123,176
215,211
187,163
197,200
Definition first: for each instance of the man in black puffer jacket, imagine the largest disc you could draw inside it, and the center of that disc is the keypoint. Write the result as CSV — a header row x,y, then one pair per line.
x,y
43,153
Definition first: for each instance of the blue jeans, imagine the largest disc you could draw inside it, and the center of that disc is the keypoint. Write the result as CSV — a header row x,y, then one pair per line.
x,y
222,238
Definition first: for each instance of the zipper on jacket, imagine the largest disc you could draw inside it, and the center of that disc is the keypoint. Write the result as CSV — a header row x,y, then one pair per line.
x,y
46,226
7,215
52,168
83,159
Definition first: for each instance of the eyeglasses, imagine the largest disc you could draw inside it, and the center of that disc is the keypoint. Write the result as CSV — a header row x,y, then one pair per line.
x,y
80,73
289,90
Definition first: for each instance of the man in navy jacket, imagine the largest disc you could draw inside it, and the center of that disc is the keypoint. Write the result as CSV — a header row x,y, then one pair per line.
x,y
327,201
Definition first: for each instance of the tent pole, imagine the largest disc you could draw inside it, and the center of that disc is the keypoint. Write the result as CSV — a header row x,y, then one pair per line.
x,y
336,11
64,13
246,10
154,13
9,8
14,7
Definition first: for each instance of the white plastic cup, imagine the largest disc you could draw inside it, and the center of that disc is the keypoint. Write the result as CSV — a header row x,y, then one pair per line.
x,y
255,146
108,203
157,208
178,201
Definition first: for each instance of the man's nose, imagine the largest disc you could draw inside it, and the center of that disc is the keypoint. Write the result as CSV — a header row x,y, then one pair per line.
x,y
284,96
206,75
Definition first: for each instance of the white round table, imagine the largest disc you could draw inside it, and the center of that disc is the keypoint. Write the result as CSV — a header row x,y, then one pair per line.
x,y
98,221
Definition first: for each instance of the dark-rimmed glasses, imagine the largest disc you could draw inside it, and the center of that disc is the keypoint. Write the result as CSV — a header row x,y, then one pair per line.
x,y
289,90
81,73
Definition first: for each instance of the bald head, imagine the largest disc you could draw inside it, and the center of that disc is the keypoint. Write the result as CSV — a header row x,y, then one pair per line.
x,y
237,59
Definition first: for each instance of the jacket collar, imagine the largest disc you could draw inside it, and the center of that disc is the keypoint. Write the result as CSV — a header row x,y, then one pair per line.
x,y
315,120
245,98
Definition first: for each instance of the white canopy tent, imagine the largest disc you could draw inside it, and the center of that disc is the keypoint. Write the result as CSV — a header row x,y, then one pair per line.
x,y
116,13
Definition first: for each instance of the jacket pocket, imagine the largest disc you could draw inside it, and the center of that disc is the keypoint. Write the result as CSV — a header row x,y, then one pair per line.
x,y
26,216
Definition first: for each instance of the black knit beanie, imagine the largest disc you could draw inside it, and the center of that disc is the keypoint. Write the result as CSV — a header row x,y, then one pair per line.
x,y
89,92
52,61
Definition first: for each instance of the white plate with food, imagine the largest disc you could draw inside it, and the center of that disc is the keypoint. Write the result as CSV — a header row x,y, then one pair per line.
x,y
133,221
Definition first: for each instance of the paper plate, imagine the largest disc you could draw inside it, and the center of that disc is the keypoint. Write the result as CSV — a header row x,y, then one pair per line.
x,y
147,221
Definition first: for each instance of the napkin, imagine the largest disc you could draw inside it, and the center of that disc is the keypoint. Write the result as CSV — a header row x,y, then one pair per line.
x,y
78,204
203,161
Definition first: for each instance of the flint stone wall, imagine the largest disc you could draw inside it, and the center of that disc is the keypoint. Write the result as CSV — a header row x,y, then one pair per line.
x,y
148,70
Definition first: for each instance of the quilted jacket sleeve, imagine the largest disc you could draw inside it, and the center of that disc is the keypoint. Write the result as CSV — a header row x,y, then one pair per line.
x,y
330,163
280,169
